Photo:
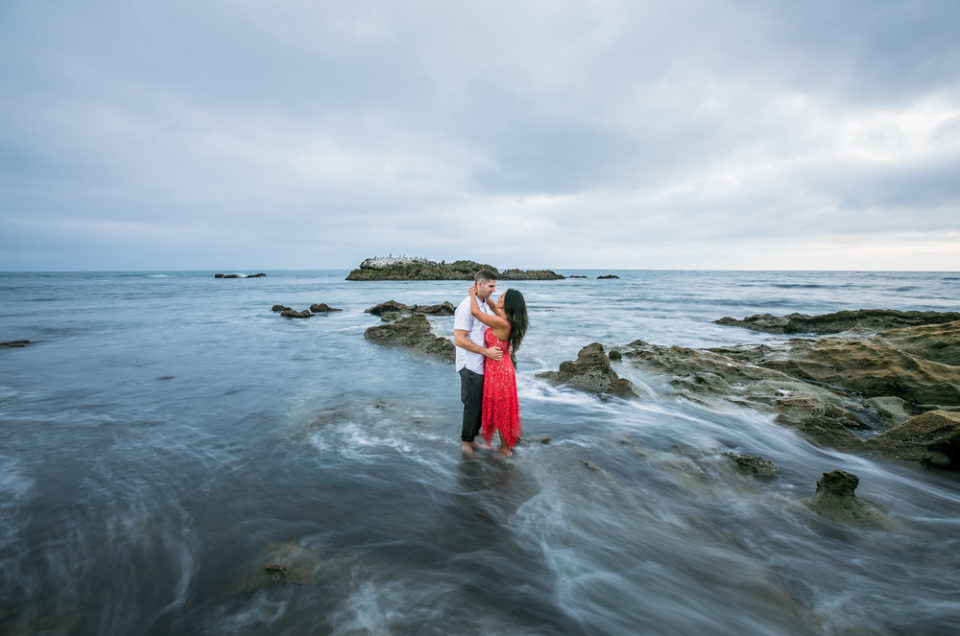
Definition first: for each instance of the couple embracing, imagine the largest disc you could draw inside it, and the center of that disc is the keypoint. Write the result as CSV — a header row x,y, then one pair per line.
x,y
484,333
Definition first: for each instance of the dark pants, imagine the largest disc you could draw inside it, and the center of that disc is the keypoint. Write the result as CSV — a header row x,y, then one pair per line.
x,y
471,394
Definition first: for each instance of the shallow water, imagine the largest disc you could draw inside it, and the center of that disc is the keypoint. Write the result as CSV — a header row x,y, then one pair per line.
x,y
166,435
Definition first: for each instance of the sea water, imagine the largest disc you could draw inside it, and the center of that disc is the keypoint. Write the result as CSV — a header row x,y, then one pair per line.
x,y
166,435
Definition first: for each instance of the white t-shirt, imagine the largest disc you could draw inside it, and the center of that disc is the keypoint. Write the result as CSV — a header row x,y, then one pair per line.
x,y
463,319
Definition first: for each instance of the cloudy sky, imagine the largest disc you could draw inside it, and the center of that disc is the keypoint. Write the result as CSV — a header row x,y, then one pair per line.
x,y
752,134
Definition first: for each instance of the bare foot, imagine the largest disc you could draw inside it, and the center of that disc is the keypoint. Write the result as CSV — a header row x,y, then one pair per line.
x,y
468,448
505,451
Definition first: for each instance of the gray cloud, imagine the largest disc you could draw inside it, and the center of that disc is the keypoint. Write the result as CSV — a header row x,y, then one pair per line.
x,y
311,135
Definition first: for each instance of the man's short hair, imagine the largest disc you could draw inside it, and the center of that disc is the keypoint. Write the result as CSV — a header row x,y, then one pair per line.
x,y
485,274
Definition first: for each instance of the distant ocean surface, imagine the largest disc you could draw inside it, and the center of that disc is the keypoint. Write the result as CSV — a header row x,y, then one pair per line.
x,y
165,437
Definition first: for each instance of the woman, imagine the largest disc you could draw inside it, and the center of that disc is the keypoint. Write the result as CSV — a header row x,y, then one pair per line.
x,y
501,410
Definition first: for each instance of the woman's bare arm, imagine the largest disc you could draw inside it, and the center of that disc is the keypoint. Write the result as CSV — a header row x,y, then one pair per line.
x,y
497,322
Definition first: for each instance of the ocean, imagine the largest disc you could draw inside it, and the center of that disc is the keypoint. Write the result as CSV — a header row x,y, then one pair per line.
x,y
166,438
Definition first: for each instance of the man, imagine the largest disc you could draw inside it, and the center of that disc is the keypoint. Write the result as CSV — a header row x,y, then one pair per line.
x,y
468,338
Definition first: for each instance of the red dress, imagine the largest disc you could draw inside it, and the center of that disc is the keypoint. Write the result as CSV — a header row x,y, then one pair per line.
x,y
501,410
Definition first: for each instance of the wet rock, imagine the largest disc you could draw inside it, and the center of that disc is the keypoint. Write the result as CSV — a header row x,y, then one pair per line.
x,y
391,310
412,332
710,378
873,319
754,465
14,344
257,275
287,563
835,499
293,313
875,366
322,308
280,308
576,276
932,439
591,372
607,277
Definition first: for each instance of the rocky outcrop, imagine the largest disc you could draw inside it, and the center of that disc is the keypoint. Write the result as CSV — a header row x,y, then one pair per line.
x,y
322,308
281,308
293,313
404,268
932,439
890,363
14,344
871,319
607,277
412,332
835,500
591,372
391,310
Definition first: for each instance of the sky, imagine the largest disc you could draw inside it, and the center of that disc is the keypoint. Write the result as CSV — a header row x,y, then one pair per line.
x,y
296,134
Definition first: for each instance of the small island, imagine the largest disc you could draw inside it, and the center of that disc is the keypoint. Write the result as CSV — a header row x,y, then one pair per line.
x,y
406,268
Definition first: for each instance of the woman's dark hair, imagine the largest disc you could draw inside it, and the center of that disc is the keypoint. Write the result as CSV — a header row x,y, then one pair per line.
x,y
516,310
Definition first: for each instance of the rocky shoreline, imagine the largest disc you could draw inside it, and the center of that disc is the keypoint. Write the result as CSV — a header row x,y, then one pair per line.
x,y
866,389
405,268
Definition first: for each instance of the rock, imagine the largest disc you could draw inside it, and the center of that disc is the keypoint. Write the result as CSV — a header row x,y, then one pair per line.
x,y
607,277
873,319
576,276
591,373
412,332
14,344
530,274
293,313
391,310
288,563
404,268
258,275
835,499
322,308
281,308
875,367
932,439
754,465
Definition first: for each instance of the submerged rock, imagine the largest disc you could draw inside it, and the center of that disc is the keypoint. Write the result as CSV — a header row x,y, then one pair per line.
x,y
591,373
14,344
874,319
257,275
754,465
932,439
607,277
293,313
412,332
835,500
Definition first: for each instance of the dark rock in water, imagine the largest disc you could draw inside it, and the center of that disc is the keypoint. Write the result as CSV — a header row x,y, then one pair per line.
x,y
607,277
873,319
403,268
322,308
835,499
932,439
615,355
830,431
413,332
14,344
391,310
576,276
754,465
281,308
257,275
530,274
293,313
591,373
